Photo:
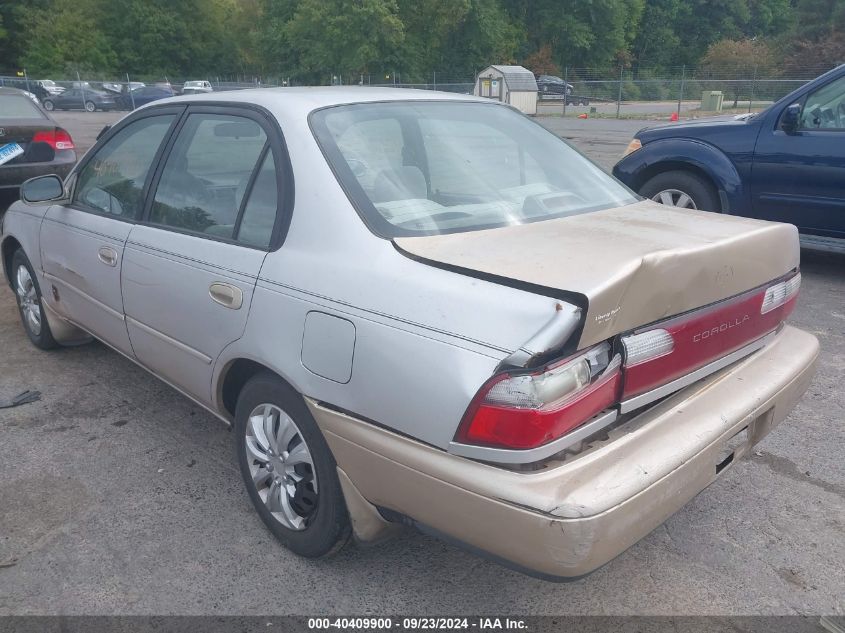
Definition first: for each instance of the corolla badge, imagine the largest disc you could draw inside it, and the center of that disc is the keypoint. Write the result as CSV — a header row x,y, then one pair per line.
x,y
2,131
719,329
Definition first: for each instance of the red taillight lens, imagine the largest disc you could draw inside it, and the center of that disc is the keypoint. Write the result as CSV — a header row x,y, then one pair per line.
x,y
657,355
57,139
527,410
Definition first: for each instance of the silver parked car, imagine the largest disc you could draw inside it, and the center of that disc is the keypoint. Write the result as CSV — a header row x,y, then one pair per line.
x,y
420,308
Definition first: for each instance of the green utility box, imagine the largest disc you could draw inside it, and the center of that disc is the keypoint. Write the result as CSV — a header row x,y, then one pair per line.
x,y
711,101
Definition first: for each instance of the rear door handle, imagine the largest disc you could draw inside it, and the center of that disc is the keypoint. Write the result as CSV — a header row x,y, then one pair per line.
x,y
226,295
107,255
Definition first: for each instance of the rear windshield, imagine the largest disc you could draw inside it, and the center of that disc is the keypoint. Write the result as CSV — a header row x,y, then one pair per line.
x,y
426,168
18,107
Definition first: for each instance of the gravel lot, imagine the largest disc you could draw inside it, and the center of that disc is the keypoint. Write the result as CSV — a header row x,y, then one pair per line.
x,y
119,496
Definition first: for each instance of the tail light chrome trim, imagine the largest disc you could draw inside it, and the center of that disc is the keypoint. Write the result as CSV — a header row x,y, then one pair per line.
x,y
626,406
530,455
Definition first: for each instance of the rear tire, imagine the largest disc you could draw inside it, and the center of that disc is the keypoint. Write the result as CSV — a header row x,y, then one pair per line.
x,y
682,189
28,297
49,106
90,106
288,468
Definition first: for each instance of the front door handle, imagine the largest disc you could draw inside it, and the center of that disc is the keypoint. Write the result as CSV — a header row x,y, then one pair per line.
x,y
107,255
226,295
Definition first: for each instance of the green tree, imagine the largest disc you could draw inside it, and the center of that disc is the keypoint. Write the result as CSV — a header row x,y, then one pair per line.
x,y
486,36
429,25
582,33
346,38
64,37
738,60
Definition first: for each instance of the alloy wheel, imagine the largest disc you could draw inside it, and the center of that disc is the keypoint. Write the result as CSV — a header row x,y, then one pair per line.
x,y
281,466
28,300
675,198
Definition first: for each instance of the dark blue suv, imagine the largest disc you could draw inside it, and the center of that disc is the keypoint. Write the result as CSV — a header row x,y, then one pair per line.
x,y
786,163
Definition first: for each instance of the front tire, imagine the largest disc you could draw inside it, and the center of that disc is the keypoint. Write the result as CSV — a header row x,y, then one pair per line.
x,y
90,106
49,106
28,297
682,189
288,469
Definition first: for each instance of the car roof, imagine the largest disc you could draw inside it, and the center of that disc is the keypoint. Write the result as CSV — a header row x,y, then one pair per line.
x,y
303,100
12,91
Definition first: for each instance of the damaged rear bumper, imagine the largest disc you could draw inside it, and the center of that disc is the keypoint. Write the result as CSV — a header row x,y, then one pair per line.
x,y
573,516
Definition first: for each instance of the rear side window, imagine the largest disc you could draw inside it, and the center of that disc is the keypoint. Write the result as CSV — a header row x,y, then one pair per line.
x,y
19,107
207,174
113,181
256,227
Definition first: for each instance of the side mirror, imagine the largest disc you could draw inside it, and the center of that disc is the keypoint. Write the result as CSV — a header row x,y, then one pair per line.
x,y
791,118
42,189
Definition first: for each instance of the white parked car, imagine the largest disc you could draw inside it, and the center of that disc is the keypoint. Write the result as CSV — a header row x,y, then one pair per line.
x,y
196,87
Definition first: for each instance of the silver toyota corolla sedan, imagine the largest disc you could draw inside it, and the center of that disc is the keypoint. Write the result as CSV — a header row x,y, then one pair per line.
x,y
423,309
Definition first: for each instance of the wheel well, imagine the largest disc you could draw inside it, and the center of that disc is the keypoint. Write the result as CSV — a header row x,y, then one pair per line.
x,y
10,245
659,168
239,372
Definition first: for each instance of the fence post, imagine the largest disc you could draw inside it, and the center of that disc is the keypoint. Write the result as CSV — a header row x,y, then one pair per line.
x,y
26,79
132,97
681,92
565,87
434,77
619,98
81,87
753,87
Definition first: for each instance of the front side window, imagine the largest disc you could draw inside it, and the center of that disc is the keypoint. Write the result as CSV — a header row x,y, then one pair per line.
x,y
824,109
207,174
113,181
425,168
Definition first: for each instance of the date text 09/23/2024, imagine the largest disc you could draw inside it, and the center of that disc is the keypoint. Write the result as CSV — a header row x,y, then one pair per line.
x,y
417,623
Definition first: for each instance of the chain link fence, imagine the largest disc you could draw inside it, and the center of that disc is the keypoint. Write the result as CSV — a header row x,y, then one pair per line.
x,y
621,91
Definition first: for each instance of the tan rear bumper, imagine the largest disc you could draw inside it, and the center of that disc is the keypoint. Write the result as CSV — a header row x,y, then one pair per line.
x,y
570,518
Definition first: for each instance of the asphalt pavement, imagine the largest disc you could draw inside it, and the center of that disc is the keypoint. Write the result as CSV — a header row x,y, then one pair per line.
x,y
119,496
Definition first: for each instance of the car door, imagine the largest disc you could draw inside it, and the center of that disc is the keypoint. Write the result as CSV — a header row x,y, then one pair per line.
x,y
71,100
798,177
191,267
82,242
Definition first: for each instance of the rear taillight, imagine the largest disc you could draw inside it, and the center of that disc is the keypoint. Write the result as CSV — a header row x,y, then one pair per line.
x,y
780,294
667,351
526,410
57,139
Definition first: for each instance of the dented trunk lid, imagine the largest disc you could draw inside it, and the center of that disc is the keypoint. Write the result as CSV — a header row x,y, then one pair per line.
x,y
630,266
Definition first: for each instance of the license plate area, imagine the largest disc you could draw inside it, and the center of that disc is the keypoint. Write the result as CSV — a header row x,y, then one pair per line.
x,y
9,151
732,450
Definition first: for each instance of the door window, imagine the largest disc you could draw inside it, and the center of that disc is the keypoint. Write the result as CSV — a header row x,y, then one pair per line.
x,y
207,173
825,108
113,181
256,228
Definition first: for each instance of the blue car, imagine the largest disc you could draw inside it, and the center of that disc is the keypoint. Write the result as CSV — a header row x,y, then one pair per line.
x,y
786,163
143,96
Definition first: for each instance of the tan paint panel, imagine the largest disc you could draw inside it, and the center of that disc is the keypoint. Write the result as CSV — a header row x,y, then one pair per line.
x,y
573,517
635,264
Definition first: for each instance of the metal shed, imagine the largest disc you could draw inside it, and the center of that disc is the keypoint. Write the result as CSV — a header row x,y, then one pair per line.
x,y
511,84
